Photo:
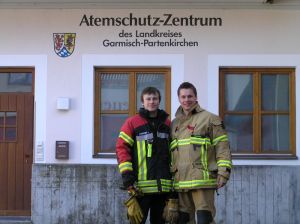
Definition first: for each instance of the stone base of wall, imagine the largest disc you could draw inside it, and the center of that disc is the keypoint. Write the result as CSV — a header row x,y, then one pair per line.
x,y
260,194
91,194
77,194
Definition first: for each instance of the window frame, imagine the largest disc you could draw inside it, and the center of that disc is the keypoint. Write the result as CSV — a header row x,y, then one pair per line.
x,y
5,126
257,112
132,71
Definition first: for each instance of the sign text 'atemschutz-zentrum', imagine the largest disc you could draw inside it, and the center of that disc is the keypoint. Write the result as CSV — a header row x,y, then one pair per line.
x,y
153,38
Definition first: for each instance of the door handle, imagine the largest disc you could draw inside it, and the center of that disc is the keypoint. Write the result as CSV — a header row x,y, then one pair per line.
x,y
27,158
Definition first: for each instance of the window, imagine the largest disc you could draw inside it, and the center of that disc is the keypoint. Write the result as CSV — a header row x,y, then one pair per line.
x,y
12,81
8,126
117,97
258,109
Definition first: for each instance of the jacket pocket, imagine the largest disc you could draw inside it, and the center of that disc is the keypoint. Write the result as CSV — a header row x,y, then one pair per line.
x,y
195,153
197,170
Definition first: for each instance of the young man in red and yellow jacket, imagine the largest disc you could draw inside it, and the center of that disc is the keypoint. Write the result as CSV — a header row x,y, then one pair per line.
x,y
144,160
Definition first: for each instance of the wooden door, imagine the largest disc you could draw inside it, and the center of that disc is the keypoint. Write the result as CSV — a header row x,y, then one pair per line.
x,y
16,151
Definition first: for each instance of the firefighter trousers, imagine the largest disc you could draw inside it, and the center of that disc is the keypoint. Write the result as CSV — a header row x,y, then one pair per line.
x,y
193,201
153,203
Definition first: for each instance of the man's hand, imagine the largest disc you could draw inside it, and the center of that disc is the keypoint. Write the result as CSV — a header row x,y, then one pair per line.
x,y
221,181
171,211
134,212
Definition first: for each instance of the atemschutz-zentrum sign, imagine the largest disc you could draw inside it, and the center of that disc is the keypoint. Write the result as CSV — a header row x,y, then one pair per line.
x,y
164,29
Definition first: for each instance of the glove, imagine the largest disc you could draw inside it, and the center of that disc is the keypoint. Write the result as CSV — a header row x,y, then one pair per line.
x,y
134,212
224,171
221,181
170,213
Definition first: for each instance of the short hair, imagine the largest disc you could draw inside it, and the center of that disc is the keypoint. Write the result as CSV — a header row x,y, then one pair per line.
x,y
150,90
187,85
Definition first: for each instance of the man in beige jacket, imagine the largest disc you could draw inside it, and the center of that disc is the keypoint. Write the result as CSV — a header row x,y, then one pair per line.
x,y
201,159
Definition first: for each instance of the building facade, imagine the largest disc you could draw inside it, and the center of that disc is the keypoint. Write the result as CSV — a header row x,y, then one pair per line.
x,y
69,77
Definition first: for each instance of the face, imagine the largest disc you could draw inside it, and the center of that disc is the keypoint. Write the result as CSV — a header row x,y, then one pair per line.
x,y
151,102
187,99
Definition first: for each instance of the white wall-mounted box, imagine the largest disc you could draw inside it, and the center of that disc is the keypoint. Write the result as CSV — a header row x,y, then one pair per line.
x,y
63,103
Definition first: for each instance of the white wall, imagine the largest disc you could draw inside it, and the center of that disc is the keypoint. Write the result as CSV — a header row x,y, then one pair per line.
x,y
247,37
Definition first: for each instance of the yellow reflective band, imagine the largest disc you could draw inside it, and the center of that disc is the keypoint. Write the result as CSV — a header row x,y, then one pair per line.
x,y
225,163
149,189
173,144
142,166
166,185
149,150
204,162
191,140
200,141
222,138
172,160
166,182
126,166
145,183
126,138
165,189
195,183
186,141
150,186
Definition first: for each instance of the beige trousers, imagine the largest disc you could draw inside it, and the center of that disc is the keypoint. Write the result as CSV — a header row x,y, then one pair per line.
x,y
193,200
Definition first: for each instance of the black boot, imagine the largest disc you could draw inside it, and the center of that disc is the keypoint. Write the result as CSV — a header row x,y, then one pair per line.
x,y
183,218
204,217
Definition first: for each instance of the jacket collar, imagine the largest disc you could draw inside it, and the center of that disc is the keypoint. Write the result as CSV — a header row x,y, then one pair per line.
x,y
161,114
180,114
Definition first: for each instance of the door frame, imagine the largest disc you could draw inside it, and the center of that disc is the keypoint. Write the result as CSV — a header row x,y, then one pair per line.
x,y
23,212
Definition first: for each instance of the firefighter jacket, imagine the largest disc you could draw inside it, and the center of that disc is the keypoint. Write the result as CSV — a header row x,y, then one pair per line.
x,y
200,150
143,152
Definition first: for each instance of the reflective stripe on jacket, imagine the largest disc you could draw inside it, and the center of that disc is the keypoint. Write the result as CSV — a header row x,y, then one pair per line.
x,y
199,148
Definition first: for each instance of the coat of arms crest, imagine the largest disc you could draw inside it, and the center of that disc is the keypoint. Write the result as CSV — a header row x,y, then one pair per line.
x,y
64,44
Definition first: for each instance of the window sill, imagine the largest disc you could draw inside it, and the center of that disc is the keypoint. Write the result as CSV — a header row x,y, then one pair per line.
x,y
264,156
105,155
